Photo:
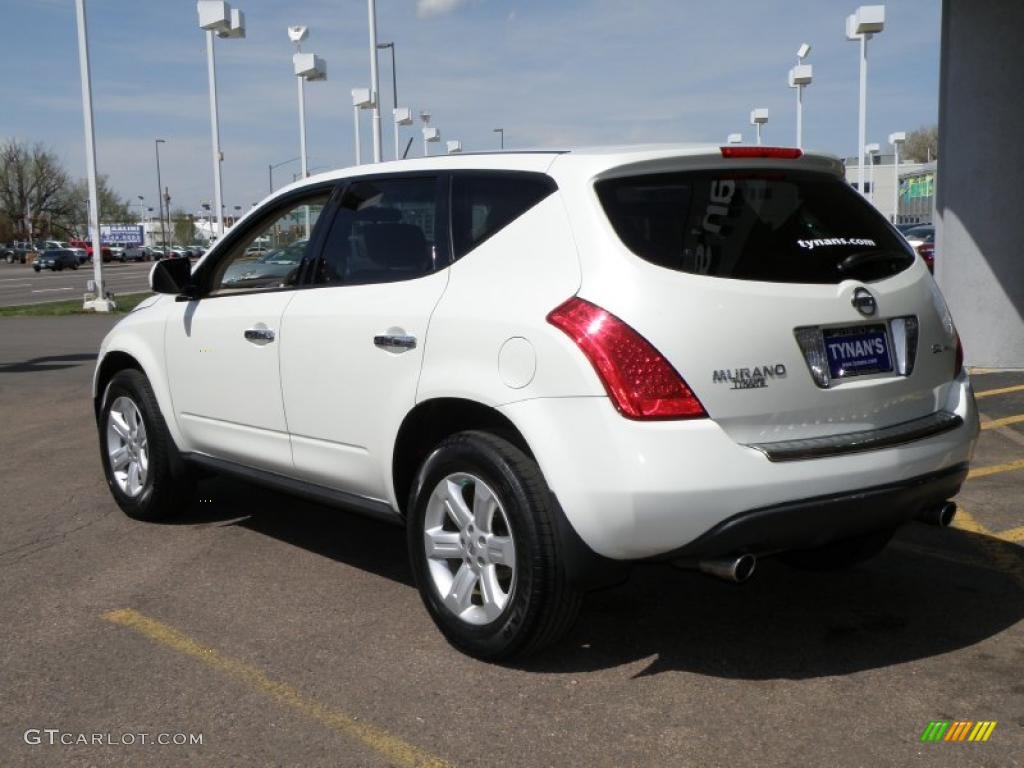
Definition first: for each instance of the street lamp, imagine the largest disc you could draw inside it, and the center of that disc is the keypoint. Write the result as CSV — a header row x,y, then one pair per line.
x,y
100,303
374,80
361,99
310,67
394,89
758,117
272,166
430,135
896,139
861,25
872,151
500,131
160,191
402,116
799,77
734,138
216,16
454,147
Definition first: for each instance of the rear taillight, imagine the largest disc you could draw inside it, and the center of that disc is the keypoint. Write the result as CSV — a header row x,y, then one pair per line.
x,y
780,153
640,381
958,364
927,252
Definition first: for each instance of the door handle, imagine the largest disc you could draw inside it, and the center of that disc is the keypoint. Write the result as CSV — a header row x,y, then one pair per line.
x,y
259,335
395,343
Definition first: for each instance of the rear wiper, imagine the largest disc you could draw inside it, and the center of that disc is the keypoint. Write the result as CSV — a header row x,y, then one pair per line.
x,y
865,258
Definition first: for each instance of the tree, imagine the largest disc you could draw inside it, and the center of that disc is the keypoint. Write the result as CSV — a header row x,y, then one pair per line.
x,y
32,190
922,145
39,198
182,226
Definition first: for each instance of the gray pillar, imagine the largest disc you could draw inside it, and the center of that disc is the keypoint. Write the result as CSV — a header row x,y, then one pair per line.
x,y
979,250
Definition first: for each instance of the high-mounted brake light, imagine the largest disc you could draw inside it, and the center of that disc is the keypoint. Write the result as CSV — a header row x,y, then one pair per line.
x,y
640,381
779,153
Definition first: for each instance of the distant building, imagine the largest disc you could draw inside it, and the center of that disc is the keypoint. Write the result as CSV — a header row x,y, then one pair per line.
x,y
916,188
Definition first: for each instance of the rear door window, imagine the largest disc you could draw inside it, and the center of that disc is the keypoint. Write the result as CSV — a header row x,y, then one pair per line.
x,y
485,202
385,230
771,226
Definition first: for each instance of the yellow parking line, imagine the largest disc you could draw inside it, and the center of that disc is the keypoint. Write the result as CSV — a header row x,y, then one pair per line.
x,y
1000,391
996,423
965,521
397,751
995,469
1014,534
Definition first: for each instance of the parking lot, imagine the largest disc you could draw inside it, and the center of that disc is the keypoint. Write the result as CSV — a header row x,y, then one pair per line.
x,y
286,633
20,284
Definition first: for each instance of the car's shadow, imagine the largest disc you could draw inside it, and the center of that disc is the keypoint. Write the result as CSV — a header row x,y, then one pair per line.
x,y
931,592
49,363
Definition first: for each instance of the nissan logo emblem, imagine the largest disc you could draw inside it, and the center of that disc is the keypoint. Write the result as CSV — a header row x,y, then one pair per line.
x,y
864,302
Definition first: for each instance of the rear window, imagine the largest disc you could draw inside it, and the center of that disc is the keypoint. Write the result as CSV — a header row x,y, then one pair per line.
x,y
780,227
485,202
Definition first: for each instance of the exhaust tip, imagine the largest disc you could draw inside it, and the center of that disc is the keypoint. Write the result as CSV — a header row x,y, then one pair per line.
x,y
735,569
743,568
941,516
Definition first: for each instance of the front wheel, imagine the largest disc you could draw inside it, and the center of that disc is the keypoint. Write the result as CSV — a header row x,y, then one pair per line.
x,y
140,461
482,542
75,265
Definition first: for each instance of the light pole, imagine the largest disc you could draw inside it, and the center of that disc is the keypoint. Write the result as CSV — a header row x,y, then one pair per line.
x,y
272,166
501,132
361,99
216,16
100,303
896,139
374,80
758,117
431,135
872,151
734,138
454,147
799,77
160,192
307,66
402,116
861,25
394,89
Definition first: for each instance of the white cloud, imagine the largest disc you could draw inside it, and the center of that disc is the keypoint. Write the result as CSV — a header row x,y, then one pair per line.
x,y
426,8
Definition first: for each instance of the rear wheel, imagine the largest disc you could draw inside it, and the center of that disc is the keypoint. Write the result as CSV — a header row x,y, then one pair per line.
x,y
840,555
482,543
143,471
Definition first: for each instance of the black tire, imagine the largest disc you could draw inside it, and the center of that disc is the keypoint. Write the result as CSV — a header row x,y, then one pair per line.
x,y
75,265
169,487
840,555
542,605
37,268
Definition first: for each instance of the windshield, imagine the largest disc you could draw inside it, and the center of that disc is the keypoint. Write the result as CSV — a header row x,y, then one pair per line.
x,y
771,226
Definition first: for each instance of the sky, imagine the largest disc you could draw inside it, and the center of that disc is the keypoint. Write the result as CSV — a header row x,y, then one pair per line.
x,y
555,74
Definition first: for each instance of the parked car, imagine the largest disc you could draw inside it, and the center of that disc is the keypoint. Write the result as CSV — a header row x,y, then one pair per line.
x,y
922,240
550,366
135,253
105,253
275,267
80,255
14,252
56,259
198,250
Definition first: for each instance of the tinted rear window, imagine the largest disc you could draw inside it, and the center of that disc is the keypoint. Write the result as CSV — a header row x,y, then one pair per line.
x,y
780,227
484,202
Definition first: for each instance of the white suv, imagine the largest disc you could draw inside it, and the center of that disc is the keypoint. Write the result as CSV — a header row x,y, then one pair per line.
x,y
551,365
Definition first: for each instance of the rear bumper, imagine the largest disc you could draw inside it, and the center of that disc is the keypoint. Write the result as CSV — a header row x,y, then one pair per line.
x,y
640,490
813,522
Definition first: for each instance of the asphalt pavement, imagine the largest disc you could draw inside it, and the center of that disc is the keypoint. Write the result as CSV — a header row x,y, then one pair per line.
x,y
20,284
284,633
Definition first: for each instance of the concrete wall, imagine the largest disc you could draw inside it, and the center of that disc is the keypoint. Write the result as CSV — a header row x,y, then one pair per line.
x,y
979,251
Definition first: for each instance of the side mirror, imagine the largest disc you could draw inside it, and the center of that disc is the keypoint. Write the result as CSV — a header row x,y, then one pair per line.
x,y
170,276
